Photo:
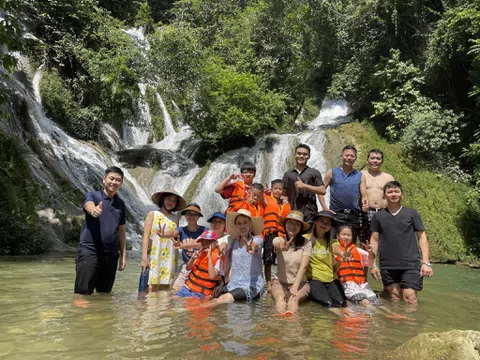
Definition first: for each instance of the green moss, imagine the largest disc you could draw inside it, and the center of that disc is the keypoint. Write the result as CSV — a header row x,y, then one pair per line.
x,y
190,192
445,206
19,232
155,112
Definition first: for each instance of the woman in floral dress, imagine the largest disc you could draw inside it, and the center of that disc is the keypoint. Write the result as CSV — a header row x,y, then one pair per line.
x,y
158,253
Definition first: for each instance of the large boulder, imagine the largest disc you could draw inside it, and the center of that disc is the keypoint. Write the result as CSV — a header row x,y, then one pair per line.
x,y
455,344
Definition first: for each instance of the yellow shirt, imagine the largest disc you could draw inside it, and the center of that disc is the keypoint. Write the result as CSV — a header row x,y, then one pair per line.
x,y
321,261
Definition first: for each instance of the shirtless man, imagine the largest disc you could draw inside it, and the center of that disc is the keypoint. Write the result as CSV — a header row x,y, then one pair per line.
x,y
375,181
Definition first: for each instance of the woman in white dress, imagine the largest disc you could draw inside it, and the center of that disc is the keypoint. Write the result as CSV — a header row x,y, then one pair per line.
x,y
158,252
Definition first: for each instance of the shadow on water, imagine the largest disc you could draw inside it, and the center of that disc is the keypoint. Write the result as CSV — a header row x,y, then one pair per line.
x,y
39,319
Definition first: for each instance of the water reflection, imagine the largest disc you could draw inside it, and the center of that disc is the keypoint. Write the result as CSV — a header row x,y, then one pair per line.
x,y
38,320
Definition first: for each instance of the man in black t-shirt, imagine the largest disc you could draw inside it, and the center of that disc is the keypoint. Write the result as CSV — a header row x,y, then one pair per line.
x,y
303,183
394,233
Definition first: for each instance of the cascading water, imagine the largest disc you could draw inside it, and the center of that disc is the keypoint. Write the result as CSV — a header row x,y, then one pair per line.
x,y
81,163
139,133
272,156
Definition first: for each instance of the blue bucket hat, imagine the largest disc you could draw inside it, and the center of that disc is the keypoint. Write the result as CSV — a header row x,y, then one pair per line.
x,y
219,215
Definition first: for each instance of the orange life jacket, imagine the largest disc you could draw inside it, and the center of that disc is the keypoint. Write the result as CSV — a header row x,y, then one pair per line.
x,y
351,270
239,195
198,279
256,210
271,215
284,210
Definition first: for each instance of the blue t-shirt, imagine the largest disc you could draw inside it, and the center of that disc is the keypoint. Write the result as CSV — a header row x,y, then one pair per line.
x,y
185,234
100,235
345,190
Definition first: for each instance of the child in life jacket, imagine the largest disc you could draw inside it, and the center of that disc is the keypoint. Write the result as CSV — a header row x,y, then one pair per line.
x,y
205,266
236,187
255,203
350,271
277,207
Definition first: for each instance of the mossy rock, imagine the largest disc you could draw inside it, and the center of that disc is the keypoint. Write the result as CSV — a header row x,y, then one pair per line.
x,y
456,344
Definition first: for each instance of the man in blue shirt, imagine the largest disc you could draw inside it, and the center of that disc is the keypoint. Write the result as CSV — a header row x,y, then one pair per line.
x,y
348,193
103,235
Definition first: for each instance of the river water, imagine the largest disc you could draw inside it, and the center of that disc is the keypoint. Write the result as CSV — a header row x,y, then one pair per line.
x,y
39,320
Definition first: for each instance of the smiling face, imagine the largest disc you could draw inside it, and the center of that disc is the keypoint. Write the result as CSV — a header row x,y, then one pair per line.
x,y
349,157
301,156
393,195
243,225
345,236
375,161
218,225
248,175
322,225
257,195
170,202
112,183
293,228
206,243
192,217
277,190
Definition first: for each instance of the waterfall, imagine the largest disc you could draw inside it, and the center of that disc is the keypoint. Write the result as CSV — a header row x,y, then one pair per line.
x,y
138,134
272,156
167,119
82,163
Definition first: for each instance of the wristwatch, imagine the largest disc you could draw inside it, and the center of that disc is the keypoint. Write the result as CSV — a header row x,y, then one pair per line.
x,y
426,263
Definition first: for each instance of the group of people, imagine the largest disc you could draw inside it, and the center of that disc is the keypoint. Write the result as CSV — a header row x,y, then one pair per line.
x,y
315,252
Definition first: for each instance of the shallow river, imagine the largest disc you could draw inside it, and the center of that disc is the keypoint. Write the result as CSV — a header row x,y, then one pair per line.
x,y
38,319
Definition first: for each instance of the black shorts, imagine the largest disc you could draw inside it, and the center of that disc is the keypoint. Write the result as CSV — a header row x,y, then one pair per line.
x,y
269,255
408,279
95,272
240,295
328,294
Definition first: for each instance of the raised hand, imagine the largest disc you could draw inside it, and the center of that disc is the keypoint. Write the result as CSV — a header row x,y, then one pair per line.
x,y
196,254
284,199
250,247
161,230
177,244
286,244
299,184
97,210
347,255
366,246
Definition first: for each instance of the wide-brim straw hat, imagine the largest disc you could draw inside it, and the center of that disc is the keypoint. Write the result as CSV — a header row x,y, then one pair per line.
x,y
181,203
256,225
193,208
297,216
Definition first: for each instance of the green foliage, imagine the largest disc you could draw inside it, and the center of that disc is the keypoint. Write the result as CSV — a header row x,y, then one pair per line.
x,y
96,60
448,208
20,232
57,99
144,18
432,132
235,104
398,84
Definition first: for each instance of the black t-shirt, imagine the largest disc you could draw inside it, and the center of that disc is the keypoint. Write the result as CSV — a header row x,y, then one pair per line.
x,y
100,235
303,200
397,244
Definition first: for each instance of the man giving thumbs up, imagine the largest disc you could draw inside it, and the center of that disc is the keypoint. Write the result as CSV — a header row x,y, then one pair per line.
x,y
103,237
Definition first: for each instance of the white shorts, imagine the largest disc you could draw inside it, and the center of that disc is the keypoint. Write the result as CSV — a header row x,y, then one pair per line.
x,y
358,292
181,277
